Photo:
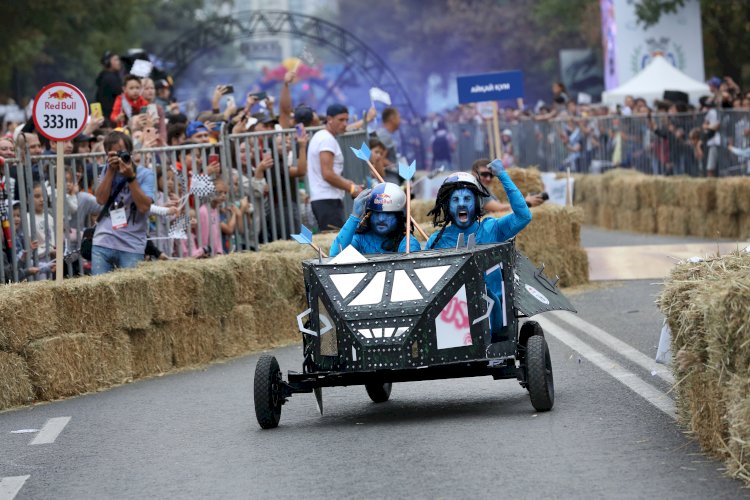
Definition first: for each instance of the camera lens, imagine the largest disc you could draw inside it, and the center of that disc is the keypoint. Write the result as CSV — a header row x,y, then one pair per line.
x,y
124,156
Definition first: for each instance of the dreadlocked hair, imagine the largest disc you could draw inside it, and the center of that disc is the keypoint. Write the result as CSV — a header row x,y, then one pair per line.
x,y
441,212
393,240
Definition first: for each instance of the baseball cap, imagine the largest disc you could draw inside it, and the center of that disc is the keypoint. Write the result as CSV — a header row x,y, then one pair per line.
x,y
161,84
195,127
336,109
714,81
303,114
508,132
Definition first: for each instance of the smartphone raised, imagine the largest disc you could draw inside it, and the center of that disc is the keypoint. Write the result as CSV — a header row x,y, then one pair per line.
x,y
228,89
213,158
259,95
96,110
300,130
153,111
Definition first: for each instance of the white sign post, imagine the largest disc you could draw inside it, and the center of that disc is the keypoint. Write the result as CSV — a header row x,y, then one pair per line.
x,y
60,113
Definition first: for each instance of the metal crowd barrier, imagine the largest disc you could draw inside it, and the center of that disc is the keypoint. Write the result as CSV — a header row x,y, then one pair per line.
x,y
659,144
276,197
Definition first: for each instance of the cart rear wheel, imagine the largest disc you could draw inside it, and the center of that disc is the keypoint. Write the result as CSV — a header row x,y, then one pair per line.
x,y
267,392
379,393
539,374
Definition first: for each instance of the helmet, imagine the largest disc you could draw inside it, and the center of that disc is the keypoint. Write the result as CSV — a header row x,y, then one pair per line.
x,y
386,197
465,180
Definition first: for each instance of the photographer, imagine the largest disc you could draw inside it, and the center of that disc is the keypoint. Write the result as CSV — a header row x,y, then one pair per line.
x,y
482,172
126,192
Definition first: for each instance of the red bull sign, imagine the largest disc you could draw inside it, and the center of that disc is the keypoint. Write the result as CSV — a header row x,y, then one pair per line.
x,y
60,111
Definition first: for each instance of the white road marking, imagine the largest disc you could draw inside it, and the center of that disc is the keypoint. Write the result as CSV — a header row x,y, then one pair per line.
x,y
51,430
648,392
630,353
10,486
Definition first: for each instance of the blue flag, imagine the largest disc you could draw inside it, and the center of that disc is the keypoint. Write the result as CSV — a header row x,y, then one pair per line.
x,y
407,171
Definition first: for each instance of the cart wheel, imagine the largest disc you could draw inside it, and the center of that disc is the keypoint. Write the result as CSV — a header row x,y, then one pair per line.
x,y
379,393
539,374
268,399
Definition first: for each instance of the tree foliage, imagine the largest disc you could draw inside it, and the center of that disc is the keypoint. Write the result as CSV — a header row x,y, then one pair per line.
x,y
48,40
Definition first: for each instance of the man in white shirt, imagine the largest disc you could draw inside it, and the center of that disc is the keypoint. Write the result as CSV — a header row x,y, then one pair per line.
x,y
325,163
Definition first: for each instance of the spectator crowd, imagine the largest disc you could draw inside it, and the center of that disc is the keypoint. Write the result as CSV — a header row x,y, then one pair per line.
x,y
143,181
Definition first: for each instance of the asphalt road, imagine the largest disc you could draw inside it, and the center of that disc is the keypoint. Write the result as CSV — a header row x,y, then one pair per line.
x,y
194,434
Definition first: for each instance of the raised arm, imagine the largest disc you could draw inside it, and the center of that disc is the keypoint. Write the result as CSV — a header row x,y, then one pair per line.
x,y
510,225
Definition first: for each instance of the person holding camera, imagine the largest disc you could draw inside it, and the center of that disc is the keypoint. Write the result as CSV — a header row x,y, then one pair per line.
x,y
126,192
482,172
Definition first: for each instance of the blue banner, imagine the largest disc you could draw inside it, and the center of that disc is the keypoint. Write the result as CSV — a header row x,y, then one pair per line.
x,y
504,86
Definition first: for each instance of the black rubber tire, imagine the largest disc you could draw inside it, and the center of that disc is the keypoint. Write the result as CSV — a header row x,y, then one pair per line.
x,y
379,393
267,392
541,383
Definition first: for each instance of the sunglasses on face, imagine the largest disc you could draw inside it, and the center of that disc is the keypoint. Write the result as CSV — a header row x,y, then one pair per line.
x,y
485,175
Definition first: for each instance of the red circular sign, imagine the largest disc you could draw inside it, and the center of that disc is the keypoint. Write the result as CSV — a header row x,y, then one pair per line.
x,y
60,111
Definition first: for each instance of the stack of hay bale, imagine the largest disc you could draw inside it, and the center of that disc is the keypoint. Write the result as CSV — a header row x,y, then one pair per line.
x,y
90,333
630,201
707,305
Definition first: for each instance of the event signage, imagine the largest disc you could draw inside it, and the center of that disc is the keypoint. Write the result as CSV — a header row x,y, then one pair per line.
x,y
503,86
60,111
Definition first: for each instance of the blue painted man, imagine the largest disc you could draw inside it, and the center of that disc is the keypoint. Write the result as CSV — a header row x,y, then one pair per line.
x,y
377,223
458,210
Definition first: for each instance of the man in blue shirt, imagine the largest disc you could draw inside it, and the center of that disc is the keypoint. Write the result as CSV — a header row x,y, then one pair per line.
x,y
120,236
458,209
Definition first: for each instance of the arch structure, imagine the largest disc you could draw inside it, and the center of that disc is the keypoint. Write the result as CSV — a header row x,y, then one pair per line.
x,y
357,57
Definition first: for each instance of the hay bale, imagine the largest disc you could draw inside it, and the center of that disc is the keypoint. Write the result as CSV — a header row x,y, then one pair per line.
x,y
172,288
151,351
738,424
527,180
701,407
238,336
647,220
134,307
88,305
248,328
193,339
28,312
419,209
218,291
606,217
726,195
15,385
743,226
697,193
742,194
76,363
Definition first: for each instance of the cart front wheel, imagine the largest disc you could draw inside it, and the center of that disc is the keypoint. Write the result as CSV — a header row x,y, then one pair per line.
x,y
267,392
379,393
539,374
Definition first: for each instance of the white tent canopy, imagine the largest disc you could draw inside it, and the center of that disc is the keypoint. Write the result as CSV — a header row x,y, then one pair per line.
x,y
653,80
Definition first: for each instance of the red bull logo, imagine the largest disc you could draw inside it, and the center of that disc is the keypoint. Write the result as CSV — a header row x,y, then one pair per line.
x,y
383,199
60,95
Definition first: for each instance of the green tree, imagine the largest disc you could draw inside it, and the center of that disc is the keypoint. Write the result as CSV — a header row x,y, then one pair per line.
x,y
49,40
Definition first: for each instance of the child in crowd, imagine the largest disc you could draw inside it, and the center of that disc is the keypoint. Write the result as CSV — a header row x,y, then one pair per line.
x,y
128,103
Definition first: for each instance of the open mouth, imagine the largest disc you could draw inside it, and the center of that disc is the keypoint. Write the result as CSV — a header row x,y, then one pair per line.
x,y
463,216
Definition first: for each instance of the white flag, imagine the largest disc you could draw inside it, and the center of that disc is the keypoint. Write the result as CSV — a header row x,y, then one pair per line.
x,y
141,68
380,95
